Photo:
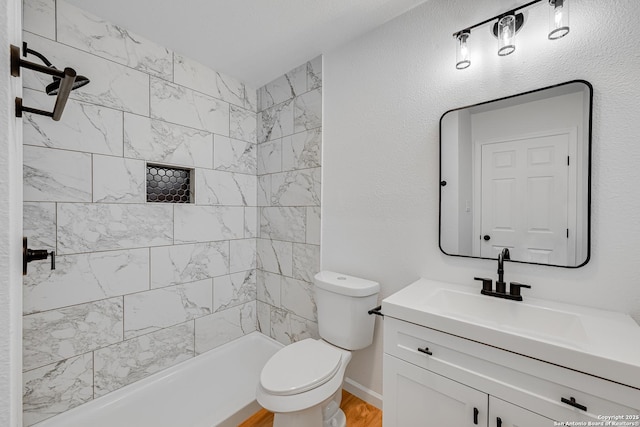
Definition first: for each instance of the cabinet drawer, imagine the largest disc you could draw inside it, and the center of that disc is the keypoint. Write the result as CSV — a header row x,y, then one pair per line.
x,y
532,384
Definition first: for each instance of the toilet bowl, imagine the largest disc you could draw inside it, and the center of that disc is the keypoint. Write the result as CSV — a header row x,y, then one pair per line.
x,y
302,383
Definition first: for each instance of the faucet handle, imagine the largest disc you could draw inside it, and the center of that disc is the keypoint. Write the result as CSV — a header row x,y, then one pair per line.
x,y
514,288
487,284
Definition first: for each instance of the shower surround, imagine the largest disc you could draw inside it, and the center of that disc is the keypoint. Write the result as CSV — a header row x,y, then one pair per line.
x,y
140,287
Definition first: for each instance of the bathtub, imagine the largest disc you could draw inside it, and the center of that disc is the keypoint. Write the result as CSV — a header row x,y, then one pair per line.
x,y
216,388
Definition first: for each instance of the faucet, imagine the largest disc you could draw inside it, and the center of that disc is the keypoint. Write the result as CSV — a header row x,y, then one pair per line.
x,y
501,286
504,256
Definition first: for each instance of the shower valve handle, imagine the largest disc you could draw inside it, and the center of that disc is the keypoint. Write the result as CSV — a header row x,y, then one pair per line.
x,y
29,255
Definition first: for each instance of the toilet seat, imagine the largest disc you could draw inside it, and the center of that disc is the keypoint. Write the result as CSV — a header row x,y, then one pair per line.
x,y
300,367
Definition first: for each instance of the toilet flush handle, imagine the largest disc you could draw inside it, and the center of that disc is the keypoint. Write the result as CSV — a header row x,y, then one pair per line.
x,y
377,311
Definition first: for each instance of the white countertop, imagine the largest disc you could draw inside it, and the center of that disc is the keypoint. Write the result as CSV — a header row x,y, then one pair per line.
x,y
601,343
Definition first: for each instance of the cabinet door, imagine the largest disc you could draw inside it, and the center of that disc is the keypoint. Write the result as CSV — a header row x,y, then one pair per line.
x,y
505,414
415,397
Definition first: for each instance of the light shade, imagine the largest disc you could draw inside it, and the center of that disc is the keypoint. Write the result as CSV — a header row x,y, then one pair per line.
x,y
506,35
558,19
462,50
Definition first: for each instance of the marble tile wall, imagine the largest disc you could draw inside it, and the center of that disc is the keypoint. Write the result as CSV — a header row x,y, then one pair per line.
x,y
139,286
289,136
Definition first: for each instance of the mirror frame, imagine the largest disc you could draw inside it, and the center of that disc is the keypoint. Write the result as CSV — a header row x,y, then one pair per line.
x,y
589,158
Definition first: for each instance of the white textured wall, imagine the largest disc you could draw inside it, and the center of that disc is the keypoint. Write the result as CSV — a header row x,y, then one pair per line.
x,y
383,96
10,222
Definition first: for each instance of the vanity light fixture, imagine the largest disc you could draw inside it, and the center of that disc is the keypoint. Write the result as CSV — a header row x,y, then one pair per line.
x,y
507,24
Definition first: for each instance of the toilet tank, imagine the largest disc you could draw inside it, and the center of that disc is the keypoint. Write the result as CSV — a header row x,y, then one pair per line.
x,y
343,302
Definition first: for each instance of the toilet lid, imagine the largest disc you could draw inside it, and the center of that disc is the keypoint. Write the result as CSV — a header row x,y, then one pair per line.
x,y
299,367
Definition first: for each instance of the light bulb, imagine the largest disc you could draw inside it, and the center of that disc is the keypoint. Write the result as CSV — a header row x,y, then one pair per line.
x,y
506,35
558,19
462,51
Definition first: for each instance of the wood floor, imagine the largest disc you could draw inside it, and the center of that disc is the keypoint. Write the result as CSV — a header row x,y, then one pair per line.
x,y
358,412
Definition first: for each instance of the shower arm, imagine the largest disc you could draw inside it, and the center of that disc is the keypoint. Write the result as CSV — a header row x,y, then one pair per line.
x,y
68,77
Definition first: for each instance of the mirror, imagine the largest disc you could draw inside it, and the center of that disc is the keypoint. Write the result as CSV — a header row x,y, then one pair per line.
x,y
515,173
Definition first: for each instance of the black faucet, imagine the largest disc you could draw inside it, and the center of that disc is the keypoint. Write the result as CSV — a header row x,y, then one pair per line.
x,y
501,286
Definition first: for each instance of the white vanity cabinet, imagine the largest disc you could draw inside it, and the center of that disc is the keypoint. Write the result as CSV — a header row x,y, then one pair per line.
x,y
418,397
432,378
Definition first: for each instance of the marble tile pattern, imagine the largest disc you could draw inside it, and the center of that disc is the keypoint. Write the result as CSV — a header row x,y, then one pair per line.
x,y
129,361
242,124
242,255
275,122
302,150
251,221
287,327
268,288
83,278
38,17
275,256
194,75
86,127
233,155
56,335
297,296
118,180
283,223
55,388
39,224
207,223
141,286
289,202
221,327
56,175
158,141
87,32
296,188
112,85
225,188
177,104
270,156
104,226
234,289
179,303
172,265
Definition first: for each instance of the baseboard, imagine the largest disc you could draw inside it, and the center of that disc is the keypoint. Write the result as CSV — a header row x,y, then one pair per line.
x,y
363,393
241,415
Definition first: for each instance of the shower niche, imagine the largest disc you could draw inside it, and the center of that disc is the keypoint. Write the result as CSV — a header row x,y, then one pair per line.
x,y
169,184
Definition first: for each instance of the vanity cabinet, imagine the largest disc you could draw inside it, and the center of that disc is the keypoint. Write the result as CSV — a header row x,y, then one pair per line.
x,y
422,398
505,414
432,378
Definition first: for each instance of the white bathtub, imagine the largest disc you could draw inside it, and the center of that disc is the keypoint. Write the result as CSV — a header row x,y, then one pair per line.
x,y
214,389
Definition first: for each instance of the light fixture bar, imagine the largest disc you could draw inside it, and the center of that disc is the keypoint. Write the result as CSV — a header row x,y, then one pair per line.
x,y
486,21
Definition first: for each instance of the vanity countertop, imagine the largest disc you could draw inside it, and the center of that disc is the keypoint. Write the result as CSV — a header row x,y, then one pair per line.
x,y
601,343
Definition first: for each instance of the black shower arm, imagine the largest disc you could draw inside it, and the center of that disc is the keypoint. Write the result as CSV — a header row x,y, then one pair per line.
x,y
68,77
17,63
43,58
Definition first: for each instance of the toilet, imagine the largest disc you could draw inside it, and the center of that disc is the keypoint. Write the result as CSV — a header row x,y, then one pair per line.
x,y
302,383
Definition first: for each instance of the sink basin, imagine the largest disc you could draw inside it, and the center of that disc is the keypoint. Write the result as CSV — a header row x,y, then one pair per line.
x,y
597,342
542,323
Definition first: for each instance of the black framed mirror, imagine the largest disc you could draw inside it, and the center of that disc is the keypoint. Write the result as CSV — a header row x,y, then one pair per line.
x,y
515,173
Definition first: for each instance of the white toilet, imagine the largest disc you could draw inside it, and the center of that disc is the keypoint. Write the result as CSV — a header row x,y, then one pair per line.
x,y
302,383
